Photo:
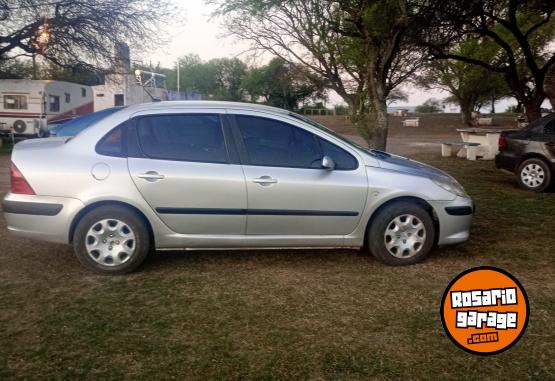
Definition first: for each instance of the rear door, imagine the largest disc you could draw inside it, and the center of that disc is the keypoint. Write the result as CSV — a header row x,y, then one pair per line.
x,y
187,172
289,193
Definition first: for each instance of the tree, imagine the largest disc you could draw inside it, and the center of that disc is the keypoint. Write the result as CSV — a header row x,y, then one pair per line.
x,y
78,32
357,47
229,74
471,86
281,84
218,79
15,69
430,105
523,30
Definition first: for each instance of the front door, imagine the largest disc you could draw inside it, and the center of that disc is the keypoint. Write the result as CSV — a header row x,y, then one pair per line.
x,y
289,193
184,171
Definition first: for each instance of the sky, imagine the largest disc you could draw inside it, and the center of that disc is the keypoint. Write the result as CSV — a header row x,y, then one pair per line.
x,y
199,34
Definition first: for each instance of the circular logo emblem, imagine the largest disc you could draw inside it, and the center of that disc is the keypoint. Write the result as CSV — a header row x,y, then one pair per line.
x,y
485,310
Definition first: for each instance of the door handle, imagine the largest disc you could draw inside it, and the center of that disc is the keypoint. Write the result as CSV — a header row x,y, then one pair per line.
x,y
264,180
550,144
151,176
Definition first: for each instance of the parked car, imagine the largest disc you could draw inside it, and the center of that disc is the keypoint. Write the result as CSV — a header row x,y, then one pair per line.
x,y
75,126
530,153
200,175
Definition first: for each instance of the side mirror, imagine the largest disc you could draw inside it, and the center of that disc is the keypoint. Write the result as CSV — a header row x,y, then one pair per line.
x,y
328,163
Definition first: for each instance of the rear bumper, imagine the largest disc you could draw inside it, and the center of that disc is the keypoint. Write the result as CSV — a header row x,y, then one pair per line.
x,y
506,161
455,219
43,218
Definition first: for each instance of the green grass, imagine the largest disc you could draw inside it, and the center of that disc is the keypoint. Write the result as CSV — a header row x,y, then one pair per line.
x,y
271,315
6,148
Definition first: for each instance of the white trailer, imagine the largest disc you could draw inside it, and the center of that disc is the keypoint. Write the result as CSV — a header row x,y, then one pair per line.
x,y
27,107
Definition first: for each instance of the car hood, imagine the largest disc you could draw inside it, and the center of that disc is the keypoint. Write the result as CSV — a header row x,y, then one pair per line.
x,y
402,164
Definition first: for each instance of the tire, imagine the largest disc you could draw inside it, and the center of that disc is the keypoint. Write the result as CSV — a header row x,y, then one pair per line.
x,y
111,232
534,174
415,240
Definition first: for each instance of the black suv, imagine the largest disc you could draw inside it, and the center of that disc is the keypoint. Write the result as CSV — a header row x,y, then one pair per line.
x,y
530,153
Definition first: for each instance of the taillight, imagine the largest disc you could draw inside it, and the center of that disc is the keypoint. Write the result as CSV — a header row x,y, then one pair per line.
x,y
502,142
19,184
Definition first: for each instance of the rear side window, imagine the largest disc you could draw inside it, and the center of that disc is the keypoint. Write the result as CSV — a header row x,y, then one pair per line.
x,y
549,128
193,137
273,143
112,143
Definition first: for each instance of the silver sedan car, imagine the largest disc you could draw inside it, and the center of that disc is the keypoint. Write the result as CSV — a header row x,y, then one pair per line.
x,y
201,175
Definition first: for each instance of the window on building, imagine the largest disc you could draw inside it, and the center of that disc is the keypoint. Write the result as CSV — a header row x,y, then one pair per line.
x,y
54,103
83,92
68,97
15,102
119,100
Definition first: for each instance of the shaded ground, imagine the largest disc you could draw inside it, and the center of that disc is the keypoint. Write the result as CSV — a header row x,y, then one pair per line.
x,y
311,314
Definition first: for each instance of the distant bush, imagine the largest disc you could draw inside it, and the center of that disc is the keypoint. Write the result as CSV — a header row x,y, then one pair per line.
x,y
430,105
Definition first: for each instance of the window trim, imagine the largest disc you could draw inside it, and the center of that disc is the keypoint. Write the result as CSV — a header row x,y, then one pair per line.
x,y
243,153
134,138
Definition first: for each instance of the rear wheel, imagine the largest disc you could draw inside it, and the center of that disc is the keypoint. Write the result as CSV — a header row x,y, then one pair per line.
x,y
534,174
401,234
111,240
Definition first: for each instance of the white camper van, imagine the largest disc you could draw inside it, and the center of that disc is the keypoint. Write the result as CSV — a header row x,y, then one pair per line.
x,y
28,106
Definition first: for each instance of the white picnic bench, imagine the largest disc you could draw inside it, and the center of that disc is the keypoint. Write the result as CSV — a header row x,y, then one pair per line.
x,y
447,148
485,121
487,139
412,122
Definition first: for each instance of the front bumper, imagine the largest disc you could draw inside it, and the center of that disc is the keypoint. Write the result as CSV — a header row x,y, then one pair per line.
x,y
43,218
455,219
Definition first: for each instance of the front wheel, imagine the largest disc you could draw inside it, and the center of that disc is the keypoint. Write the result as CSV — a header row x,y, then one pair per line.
x,y
534,175
111,240
401,234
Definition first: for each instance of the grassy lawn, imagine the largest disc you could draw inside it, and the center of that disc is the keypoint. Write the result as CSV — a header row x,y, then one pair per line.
x,y
315,314
6,148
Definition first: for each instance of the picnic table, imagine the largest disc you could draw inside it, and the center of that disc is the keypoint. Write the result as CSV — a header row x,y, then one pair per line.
x,y
488,138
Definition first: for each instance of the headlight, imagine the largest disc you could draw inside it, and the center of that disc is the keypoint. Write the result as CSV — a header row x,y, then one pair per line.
x,y
450,185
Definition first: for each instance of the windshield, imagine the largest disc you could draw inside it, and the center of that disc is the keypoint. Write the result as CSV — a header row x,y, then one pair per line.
x,y
75,126
338,136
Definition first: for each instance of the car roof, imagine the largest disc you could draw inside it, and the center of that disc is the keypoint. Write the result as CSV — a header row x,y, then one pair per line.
x,y
205,104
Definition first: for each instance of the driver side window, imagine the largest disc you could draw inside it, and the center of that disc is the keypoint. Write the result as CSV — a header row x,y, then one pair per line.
x,y
273,143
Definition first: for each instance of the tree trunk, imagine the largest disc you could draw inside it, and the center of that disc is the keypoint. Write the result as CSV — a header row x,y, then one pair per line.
x,y
466,112
549,85
533,107
493,104
378,126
